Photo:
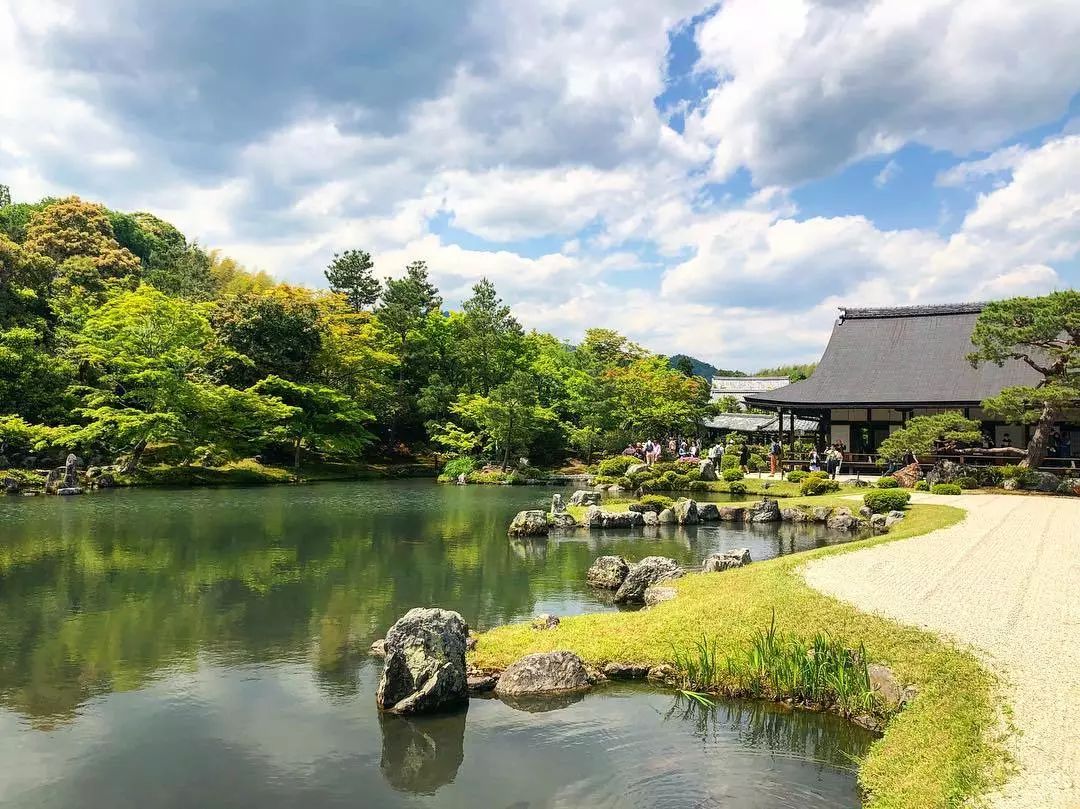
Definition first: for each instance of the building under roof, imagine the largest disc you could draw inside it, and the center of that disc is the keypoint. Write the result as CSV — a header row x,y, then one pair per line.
x,y
884,366
756,423
739,387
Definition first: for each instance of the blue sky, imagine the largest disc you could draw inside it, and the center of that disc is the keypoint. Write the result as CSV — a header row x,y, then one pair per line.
x,y
709,178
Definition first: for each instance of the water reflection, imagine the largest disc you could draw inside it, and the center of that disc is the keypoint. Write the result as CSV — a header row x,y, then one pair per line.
x,y
421,754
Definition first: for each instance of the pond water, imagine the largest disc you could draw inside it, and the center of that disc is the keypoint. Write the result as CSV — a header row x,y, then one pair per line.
x,y
209,647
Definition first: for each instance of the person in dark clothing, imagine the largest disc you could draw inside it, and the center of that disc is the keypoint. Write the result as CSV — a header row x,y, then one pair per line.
x,y
744,458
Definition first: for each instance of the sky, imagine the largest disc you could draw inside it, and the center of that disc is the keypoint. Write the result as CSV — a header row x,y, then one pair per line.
x,y
709,179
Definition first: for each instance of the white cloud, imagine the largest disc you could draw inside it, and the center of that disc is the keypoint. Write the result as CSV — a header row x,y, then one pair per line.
x,y
808,86
889,172
1000,162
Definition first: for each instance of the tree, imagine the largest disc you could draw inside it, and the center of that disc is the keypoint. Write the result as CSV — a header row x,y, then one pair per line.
x,y
406,304
276,332
71,228
1043,333
492,336
5,196
794,373
350,273
922,434
684,365
319,417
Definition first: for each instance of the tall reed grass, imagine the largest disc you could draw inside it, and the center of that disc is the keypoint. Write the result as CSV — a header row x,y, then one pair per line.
x,y
821,673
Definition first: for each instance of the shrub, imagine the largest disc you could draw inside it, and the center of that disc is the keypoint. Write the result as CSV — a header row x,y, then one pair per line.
x,y
859,483
685,467
812,487
668,478
820,475
945,488
640,477
698,486
967,482
613,467
604,480
888,482
657,502
624,482
732,474
737,487
756,463
796,476
1023,476
681,482
693,474
989,475
886,500
459,466
922,486
730,459
664,466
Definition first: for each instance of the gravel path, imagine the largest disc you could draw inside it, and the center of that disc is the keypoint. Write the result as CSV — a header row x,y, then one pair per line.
x,y
1005,580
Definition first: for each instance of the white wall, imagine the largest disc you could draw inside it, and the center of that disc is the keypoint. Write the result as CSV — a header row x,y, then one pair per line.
x,y
840,432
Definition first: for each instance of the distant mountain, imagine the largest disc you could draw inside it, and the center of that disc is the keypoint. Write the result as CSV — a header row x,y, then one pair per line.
x,y
700,367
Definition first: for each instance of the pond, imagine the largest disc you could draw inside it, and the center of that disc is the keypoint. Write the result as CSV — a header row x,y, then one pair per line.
x,y
209,647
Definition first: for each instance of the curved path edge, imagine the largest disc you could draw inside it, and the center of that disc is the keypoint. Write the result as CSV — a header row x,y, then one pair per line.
x,y
1004,581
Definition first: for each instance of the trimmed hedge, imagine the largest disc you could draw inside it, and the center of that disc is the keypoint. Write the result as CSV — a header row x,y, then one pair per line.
x,y
737,487
796,476
967,482
885,500
945,488
888,482
617,466
732,474
814,486
922,486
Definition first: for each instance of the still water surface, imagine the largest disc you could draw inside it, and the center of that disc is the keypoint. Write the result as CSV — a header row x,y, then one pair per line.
x,y
209,647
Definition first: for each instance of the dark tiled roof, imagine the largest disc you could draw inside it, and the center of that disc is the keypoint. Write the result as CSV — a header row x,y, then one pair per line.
x,y
908,356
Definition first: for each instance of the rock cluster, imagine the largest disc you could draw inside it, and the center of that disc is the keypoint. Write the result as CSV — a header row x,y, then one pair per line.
x,y
764,511
727,560
583,497
596,517
649,571
424,670
545,621
532,523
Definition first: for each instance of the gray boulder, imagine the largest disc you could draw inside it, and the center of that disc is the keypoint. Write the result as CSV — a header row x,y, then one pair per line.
x,y
424,669
764,511
842,519
795,515
650,570
557,505
686,512
545,621
650,518
585,498
608,572
727,560
532,523
865,512
708,512
888,688
821,513
597,518
944,472
378,648
105,481
892,518
633,469
543,673
731,513
707,470
878,522
1045,482
666,516
12,486
562,521
69,491
658,593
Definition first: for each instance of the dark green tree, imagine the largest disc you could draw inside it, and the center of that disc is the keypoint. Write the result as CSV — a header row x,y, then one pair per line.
x,y
350,273
684,365
493,339
1043,333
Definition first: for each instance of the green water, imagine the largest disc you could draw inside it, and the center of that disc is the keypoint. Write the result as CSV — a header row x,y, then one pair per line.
x,y
209,647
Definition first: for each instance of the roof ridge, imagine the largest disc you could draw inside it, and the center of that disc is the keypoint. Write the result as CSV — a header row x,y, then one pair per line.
x,y
853,312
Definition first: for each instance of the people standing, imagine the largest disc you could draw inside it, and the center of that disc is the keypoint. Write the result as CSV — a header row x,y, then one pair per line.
x,y
815,460
774,456
744,458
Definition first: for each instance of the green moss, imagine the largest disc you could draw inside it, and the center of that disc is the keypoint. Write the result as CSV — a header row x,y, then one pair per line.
x,y
937,753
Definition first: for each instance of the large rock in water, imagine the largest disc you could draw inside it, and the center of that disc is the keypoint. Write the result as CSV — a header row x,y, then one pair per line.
x,y
727,560
764,511
549,672
557,505
425,663
908,476
563,521
731,513
841,519
608,572
649,571
686,512
708,512
531,523
598,518
585,498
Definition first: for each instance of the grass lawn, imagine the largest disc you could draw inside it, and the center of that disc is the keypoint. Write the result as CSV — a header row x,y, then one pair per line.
x,y
939,752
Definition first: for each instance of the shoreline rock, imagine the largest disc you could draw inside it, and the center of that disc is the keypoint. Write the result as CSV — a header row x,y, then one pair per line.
x,y
650,570
424,669
608,572
727,560
543,673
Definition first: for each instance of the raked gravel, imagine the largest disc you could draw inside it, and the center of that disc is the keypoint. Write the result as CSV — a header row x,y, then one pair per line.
x,y
1006,582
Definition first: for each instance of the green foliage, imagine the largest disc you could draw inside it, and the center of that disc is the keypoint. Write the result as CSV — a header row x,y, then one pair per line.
x,y
887,482
730,460
880,502
351,275
1022,475
945,488
922,486
797,475
732,474
795,373
616,465
921,433
755,463
459,466
657,502
967,482
813,486
737,487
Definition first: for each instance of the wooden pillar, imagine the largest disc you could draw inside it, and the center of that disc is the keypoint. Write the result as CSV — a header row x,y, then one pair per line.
x,y
791,431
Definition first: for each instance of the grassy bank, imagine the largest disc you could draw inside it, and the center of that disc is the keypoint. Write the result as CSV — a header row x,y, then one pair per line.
x,y
251,473
937,753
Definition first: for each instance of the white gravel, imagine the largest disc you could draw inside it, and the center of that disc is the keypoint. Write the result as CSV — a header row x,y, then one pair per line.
x,y
1006,581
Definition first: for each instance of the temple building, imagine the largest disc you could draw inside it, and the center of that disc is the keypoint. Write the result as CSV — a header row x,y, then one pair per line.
x,y
884,366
